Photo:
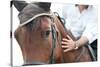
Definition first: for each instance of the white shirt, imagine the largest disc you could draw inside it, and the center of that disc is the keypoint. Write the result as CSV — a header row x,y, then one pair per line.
x,y
81,24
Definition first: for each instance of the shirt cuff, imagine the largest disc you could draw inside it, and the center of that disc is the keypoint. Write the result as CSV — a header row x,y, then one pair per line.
x,y
90,37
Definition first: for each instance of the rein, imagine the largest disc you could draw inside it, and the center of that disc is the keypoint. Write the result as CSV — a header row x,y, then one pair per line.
x,y
52,57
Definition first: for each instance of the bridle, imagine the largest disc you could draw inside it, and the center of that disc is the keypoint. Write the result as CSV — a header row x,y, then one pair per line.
x,y
52,55
54,36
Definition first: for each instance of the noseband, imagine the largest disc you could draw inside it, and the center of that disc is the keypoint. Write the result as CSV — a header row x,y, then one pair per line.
x,y
52,56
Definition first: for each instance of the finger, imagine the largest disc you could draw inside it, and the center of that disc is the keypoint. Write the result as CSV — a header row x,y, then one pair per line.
x,y
64,39
64,46
68,37
66,50
65,43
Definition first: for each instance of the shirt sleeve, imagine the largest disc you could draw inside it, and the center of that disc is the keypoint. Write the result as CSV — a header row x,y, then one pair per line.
x,y
91,30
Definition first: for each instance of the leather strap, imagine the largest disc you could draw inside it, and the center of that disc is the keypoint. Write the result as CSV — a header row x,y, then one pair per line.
x,y
91,52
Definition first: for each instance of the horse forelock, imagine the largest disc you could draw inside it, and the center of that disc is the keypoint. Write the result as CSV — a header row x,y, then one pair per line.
x,y
33,25
36,23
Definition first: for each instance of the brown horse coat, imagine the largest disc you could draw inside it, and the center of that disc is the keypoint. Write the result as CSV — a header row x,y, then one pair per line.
x,y
36,47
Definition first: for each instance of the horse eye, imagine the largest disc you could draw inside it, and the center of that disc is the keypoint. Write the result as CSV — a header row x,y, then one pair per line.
x,y
47,33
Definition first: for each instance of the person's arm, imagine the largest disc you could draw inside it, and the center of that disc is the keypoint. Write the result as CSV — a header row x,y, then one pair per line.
x,y
69,44
82,41
88,36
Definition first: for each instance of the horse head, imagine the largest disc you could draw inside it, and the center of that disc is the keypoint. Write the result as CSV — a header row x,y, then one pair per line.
x,y
35,34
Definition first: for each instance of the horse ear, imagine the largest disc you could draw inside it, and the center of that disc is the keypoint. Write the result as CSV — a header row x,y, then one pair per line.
x,y
19,4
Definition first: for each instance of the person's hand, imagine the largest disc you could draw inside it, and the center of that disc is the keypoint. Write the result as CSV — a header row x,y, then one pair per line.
x,y
68,44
